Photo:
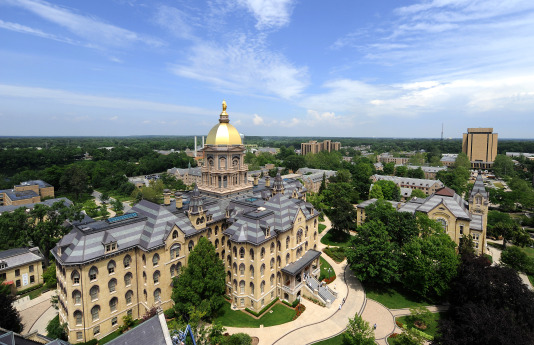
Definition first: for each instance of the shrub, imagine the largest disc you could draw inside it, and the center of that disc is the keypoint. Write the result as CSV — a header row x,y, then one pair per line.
x,y
49,276
22,292
399,324
149,314
295,303
336,253
263,310
422,334
237,339
169,313
56,330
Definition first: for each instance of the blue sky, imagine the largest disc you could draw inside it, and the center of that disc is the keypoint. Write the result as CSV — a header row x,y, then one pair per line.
x,y
301,68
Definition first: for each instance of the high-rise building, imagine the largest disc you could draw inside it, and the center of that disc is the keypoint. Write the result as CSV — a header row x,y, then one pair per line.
x,y
316,147
480,146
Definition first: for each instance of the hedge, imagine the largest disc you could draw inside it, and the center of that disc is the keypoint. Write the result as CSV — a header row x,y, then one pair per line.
x,y
422,334
22,292
263,310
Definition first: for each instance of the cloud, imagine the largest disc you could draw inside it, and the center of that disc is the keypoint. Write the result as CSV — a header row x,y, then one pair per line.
x,y
269,14
257,120
243,65
174,20
114,118
86,27
35,32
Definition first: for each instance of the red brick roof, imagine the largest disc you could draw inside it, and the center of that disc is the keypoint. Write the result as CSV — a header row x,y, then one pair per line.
x,y
445,191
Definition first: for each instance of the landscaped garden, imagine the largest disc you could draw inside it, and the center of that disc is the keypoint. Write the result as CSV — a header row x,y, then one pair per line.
x,y
279,314
327,272
336,253
394,297
341,239
431,324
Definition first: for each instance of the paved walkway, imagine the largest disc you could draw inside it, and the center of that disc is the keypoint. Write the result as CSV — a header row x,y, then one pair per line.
x,y
36,313
496,255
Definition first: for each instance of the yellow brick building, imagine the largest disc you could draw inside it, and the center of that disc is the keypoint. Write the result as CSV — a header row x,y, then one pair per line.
x,y
480,146
21,268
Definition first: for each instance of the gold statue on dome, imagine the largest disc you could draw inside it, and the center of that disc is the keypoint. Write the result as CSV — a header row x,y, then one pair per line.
x,y
224,108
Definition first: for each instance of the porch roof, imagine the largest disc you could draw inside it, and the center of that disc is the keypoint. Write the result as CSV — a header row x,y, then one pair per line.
x,y
297,266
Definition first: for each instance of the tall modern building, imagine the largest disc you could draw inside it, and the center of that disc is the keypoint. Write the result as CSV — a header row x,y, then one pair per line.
x,y
480,145
316,147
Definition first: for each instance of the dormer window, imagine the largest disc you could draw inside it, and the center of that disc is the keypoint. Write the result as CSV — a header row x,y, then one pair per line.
x,y
111,247
3,265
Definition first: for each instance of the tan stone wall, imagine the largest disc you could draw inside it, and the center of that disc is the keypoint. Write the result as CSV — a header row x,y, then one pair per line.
x,y
37,275
47,192
32,187
480,144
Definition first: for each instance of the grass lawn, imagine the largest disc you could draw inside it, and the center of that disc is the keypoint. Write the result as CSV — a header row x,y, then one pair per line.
x,y
337,340
236,318
432,328
495,245
336,239
498,185
37,292
529,251
394,297
325,266
336,253
321,227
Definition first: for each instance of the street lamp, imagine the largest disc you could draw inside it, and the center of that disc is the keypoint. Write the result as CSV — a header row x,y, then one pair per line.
x,y
329,270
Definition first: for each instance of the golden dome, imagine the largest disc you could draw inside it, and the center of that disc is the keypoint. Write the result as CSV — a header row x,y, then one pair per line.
x,y
223,133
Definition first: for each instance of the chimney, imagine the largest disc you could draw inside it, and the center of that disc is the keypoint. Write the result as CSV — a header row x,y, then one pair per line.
x,y
195,149
178,199
268,181
166,197
256,179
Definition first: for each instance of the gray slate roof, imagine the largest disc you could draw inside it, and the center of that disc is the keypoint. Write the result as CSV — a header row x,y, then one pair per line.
x,y
19,195
478,187
40,183
455,204
20,256
150,332
416,182
48,202
297,266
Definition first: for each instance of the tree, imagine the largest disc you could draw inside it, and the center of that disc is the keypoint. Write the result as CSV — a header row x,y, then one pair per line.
x,y
117,205
74,180
503,166
238,339
422,315
294,162
417,193
467,245
358,332
389,168
322,187
376,192
429,264
389,189
104,211
104,197
512,232
202,283
401,170
462,161
49,276
517,259
9,316
488,305
56,330
373,256
415,173
417,159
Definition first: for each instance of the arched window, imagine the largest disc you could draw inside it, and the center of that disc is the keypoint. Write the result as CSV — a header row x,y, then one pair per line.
x,y
127,261
229,274
315,235
315,223
190,245
262,270
157,294
299,236
478,200
144,277
175,250
251,271
252,288
93,273
178,268
278,277
145,294
287,242
144,260
174,234
217,230
251,254
235,252
209,233
112,285
217,244
242,269
173,270
272,279
262,253
242,253
129,296
95,312
262,286
111,267
272,263
113,304
306,245
77,297
78,316
287,259
272,247
279,260
306,233
443,223
242,286
155,259
228,244
156,277
94,292
229,259
75,277
128,279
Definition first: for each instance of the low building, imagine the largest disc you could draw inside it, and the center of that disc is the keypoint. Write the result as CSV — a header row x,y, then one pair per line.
x,y
28,192
430,172
270,150
448,159
425,185
21,268
188,176
153,331
28,207
385,158
313,178
8,337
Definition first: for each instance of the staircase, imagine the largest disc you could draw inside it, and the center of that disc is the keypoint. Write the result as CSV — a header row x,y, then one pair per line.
x,y
324,291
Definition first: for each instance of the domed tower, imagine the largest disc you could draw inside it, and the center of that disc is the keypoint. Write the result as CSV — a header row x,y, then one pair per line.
x,y
224,172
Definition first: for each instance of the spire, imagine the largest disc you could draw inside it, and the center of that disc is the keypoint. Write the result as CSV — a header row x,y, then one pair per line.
x,y
278,186
224,115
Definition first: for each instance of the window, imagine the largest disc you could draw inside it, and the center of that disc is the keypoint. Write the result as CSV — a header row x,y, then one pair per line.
x,y
461,229
262,286
173,270
113,304
94,293
155,259
156,277
287,242
78,316
75,277
174,234
111,246
157,294
95,311
242,286
272,247
190,245
111,267
128,279
79,335
129,312
128,296
31,268
3,265
262,253
146,295
17,272
77,297
2,276
17,283
262,270
209,233
242,302
287,259
235,268
251,271
92,273
112,285
144,260
242,253
114,321
144,277
175,250
242,269
443,223
252,288
252,254
127,261
272,263
217,230
96,330
272,279
217,244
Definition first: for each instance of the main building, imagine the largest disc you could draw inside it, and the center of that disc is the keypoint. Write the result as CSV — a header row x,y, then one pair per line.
x,y
265,232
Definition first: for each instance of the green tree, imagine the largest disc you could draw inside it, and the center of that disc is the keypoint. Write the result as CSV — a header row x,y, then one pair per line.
x,y
322,187
49,276
401,170
421,314
389,189
512,232
415,173
104,197
56,330
417,159
117,205
503,166
202,282
417,193
389,168
294,162
104,211
74,180
376,192
517,259
373,256
238,339
358,332
462,161
467,245
9,316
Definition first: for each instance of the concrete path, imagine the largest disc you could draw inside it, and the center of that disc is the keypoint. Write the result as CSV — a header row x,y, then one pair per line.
x,y
496,255
377,314
36,312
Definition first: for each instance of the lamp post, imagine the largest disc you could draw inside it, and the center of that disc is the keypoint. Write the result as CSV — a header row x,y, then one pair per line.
x,y
329,270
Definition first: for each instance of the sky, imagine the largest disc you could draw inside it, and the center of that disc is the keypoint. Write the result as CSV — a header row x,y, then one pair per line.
x,y
341,68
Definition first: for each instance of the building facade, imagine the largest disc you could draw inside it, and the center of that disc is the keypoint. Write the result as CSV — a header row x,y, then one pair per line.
x,y
425,185
315,147
480,146
28,192
21,268
265,232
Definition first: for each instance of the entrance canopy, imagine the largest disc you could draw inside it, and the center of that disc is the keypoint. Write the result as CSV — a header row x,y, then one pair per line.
x,y
296,267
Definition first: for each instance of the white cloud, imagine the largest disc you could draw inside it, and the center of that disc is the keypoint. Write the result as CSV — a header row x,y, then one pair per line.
x,y
175,20
257,120
89,28
269,13
243,66
114,118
